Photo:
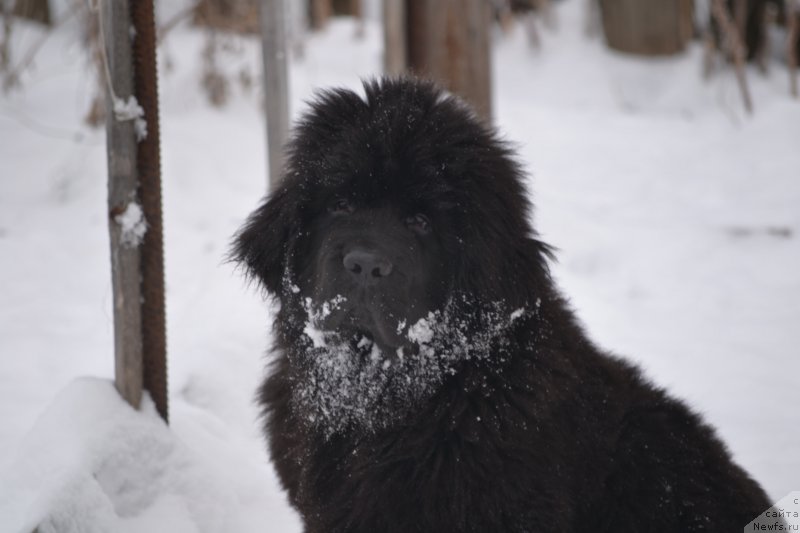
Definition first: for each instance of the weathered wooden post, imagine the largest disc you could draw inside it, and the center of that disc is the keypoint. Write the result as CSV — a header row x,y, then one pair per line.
x,y
134,200
276,84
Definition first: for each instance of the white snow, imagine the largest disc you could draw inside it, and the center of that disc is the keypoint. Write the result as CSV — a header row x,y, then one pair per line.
x,y
140,128
127,109
364,342
93,464
313,329
675,216
131,110
316,335
133,225
421,332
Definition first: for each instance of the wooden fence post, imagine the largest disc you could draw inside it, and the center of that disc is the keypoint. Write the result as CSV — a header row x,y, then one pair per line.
x,y
134,200
125,216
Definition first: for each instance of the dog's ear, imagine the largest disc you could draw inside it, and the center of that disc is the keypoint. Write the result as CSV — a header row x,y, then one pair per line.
x,y
262,245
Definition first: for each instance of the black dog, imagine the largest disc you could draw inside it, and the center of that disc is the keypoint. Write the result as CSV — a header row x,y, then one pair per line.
x,y
429,377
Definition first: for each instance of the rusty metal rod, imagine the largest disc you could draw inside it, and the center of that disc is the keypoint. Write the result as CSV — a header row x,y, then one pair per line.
x,y
145,78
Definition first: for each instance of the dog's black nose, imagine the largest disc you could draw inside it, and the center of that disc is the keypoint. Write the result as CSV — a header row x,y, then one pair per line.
x,y
367,267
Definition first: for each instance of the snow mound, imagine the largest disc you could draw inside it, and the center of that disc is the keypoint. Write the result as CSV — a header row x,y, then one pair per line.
x,y
92,463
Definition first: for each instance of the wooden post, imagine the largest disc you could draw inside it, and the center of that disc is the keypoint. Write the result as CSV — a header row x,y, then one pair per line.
x,y
129,36
448,41
395,60
276,85
123,205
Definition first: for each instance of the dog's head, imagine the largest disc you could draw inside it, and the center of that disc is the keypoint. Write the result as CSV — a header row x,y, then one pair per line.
x,y
399,214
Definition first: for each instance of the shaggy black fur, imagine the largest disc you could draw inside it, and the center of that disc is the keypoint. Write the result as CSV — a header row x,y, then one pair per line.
x,y
543,432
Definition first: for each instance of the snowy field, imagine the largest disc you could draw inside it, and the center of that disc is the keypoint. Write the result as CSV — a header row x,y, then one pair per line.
x,y
676,217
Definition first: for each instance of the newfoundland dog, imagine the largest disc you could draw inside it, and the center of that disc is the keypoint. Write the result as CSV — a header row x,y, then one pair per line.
x,y
428,375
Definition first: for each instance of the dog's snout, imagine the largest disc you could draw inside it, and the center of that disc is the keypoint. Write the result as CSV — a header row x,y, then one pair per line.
x,y
367,267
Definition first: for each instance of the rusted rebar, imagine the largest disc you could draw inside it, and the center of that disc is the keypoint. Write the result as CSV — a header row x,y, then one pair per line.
x,y
154,339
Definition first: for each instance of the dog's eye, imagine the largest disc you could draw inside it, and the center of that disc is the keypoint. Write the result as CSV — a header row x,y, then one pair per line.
x,y
341,206
419,223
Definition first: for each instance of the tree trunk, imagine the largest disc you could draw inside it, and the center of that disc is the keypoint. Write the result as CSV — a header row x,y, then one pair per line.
x,y
36,10
239,16
647,27
320,11
448,42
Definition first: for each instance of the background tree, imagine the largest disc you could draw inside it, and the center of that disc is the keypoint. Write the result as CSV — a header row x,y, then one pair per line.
x,y
38,10
444,40
647,27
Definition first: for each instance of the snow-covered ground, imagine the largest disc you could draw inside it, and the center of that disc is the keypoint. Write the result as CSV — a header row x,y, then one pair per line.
x,y
676,217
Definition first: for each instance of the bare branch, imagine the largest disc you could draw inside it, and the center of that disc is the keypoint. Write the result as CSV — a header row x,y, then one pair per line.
x,y
792,41
734,43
